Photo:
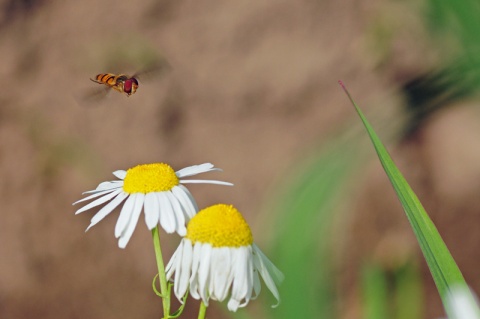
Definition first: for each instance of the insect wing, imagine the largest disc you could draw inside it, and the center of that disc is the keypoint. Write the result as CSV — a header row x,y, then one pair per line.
x,y
152,71
93,96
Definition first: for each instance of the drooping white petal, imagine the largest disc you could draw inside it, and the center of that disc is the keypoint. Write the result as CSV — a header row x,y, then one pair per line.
x,y
185,268
194,276
166,217
233,304
204,272
248,282
99,201
188,206
249,278
178,265
191,198
240,281
125,215
107,209
170,269
269,267
196,169
177,213
270,274
152,210
257,285
137,209
120,174
221,272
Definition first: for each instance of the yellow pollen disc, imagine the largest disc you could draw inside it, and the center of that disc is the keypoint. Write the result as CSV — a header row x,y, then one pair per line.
x,y
220,225
147,178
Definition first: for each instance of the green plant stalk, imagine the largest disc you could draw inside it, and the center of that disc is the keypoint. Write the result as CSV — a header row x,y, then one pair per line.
x,y
407,281
161,273
202,311
374,292
445,271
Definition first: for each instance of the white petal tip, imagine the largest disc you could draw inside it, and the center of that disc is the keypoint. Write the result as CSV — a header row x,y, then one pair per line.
x,y
151,227
120,174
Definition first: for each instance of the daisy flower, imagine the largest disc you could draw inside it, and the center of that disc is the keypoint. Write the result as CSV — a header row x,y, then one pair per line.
x,y
156,188
218,258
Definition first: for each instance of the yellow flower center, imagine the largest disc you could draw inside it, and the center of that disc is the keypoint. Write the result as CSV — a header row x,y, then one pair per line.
x,y
220,225
147,178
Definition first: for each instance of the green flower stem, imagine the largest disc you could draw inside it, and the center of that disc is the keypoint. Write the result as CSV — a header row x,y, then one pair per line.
x,y
203,311
161,273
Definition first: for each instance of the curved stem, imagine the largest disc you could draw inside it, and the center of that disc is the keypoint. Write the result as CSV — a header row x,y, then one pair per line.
x,y
161,273
203,311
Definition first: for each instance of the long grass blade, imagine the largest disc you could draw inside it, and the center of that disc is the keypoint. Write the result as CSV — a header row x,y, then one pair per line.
x,y
445,271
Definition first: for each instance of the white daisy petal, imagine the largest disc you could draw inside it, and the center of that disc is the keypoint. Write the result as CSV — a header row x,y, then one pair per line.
x,y
99,201
152,210
106,186
270,274
177,289
97,194
107,209
137,209
166,217
196,169
171,264
178,214
222,272
249,278
204,272
268,266
120,174
194,276
184,200
125,215
190,197
233,304
257,286
186,264
204,181
239,287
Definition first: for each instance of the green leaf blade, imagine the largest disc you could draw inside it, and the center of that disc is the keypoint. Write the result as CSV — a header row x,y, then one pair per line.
x,y
445,271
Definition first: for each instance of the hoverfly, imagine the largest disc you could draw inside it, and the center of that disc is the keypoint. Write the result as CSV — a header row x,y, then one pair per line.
x,y
122,83
129,84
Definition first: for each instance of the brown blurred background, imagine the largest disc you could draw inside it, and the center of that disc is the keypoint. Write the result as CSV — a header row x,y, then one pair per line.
x,y
252,87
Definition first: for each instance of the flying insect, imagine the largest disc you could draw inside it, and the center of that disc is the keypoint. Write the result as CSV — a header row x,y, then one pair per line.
x,y
127,84
122,83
